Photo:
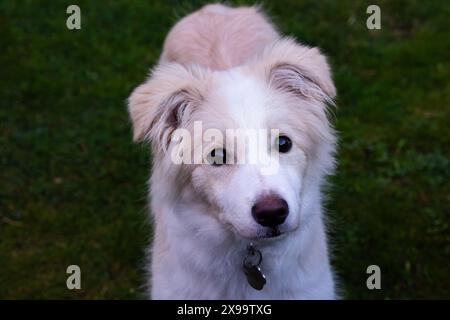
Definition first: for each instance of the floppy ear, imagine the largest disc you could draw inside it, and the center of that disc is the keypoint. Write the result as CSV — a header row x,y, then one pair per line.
x,y
162,103
298,69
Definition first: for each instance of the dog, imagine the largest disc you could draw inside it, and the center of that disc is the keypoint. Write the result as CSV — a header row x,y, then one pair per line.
x,y
231,231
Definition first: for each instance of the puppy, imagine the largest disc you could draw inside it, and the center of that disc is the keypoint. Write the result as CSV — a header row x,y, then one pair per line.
x,y
223,227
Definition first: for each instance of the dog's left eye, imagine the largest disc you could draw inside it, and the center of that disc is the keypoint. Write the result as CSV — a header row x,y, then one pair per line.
x,y
217,157
283,143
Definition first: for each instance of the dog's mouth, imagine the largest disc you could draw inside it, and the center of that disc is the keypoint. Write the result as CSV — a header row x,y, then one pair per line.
x,y
261,234
273,233
266,233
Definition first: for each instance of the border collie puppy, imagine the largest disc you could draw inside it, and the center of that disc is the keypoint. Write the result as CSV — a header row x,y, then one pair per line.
x,y
245,221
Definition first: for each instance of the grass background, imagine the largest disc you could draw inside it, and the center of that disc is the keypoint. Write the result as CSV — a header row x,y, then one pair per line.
x,y
73,186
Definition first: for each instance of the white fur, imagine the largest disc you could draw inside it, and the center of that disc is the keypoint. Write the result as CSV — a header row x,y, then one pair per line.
x,y
202,214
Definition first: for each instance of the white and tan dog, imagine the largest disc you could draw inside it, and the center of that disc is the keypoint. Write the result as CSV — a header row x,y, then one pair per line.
x,y
228,68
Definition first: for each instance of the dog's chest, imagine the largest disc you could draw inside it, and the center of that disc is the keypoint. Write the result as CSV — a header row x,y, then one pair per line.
x,y
229,281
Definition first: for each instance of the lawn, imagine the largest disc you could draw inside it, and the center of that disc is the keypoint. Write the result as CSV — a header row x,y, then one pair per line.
x,y
73,186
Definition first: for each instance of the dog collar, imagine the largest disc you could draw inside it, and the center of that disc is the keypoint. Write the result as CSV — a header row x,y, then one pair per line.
x,y
255,277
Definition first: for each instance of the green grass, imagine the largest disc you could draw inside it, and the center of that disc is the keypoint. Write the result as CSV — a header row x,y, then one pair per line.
x,y
73,186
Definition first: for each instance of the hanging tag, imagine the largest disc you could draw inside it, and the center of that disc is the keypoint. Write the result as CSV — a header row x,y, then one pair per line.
x,y
255,278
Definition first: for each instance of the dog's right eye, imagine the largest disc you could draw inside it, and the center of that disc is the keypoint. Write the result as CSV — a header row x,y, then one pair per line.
x,y
217,157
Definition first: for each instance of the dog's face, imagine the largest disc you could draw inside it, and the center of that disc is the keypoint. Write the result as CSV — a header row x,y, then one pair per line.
x,y
264,138
255,184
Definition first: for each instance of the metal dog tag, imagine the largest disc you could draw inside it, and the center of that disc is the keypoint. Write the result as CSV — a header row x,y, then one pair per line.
x,y
255,278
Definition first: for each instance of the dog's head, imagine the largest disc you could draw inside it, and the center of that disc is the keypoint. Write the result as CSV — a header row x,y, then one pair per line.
x,y
253,143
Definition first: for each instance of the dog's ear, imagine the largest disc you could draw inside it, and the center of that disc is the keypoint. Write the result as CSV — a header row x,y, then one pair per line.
x,y
298,69
162,103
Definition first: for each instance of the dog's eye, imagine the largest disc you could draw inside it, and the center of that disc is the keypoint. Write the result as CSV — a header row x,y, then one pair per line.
x,y
217,157
284,144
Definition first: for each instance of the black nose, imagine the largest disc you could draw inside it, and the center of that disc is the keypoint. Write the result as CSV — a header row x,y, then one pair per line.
x,y
270,211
